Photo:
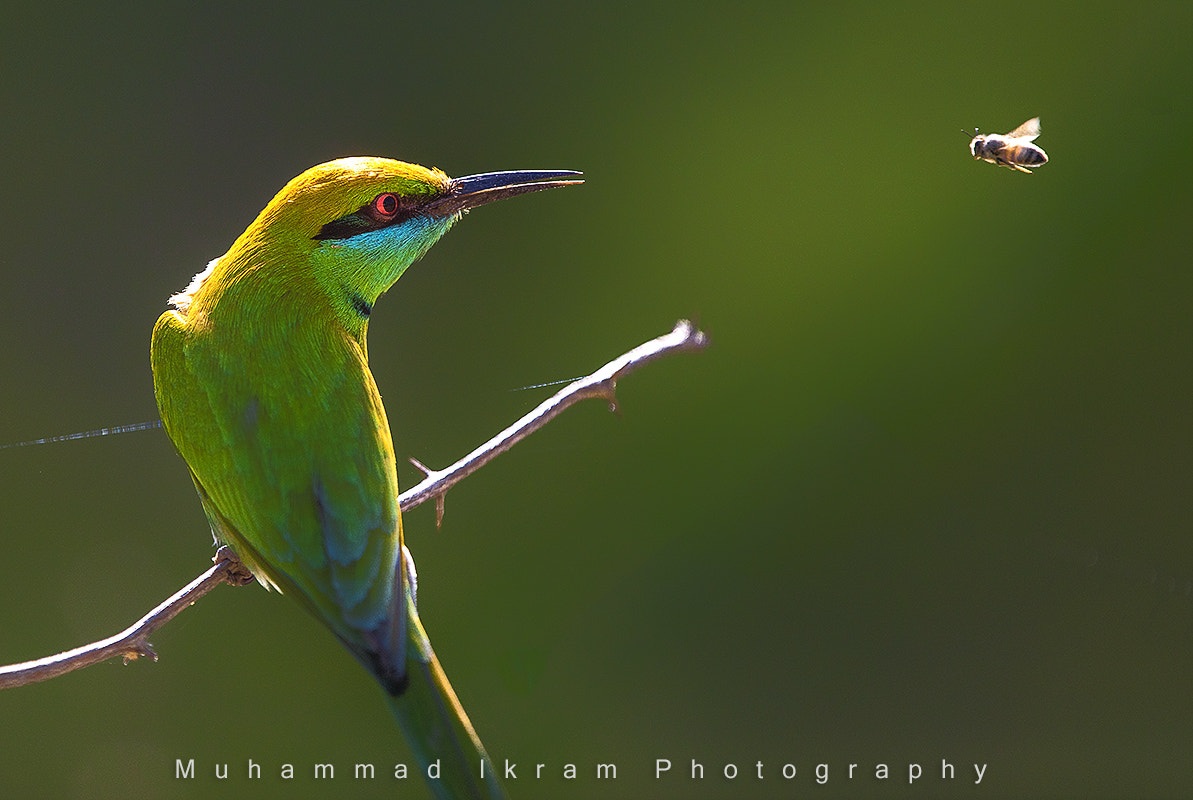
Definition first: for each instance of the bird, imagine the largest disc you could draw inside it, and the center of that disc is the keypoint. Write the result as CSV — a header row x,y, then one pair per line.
x,y
262,380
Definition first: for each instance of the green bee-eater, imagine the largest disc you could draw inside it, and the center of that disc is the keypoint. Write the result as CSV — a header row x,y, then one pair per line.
x,y
262,380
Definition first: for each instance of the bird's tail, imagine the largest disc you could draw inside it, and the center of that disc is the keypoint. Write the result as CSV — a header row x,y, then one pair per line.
x,y
449,752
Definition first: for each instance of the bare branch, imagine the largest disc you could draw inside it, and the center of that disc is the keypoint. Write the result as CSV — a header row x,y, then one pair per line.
x,y
133,643
684,337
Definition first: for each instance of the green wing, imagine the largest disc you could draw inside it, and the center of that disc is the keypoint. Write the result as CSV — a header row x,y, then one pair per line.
x,y
289,447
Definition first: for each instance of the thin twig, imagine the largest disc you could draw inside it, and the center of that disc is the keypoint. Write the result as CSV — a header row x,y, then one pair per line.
x,y
684,337
133,643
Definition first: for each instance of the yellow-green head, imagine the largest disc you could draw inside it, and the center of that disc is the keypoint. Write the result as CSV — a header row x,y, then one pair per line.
x,y
350,228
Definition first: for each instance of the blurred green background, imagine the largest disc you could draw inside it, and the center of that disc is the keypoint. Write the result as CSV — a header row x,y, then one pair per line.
x,y
929,495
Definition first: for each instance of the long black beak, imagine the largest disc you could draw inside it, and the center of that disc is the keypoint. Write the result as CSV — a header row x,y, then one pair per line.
x,y
477,190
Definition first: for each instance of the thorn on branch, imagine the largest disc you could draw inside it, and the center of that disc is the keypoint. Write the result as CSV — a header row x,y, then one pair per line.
x,y
609,392
440,498
140,650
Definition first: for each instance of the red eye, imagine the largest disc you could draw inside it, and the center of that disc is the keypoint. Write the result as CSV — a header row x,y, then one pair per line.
x,y
386,204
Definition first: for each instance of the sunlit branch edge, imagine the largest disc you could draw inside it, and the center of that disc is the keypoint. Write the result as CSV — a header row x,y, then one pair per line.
x,y
133,643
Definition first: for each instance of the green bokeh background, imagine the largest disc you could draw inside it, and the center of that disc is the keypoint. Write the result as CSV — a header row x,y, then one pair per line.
x,y
929,495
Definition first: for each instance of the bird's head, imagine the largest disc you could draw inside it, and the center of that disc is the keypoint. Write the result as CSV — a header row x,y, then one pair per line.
x,y
351,227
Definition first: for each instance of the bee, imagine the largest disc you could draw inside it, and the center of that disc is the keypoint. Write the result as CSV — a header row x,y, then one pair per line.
x,y
1012,150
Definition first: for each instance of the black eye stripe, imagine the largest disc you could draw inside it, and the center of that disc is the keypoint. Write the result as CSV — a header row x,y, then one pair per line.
x,y
372,216
344,227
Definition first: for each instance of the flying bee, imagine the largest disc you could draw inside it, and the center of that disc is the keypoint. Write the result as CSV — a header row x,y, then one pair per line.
x,y
1012,150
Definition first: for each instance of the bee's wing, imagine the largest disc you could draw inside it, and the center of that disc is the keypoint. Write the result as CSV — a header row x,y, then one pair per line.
x,y
1028,130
